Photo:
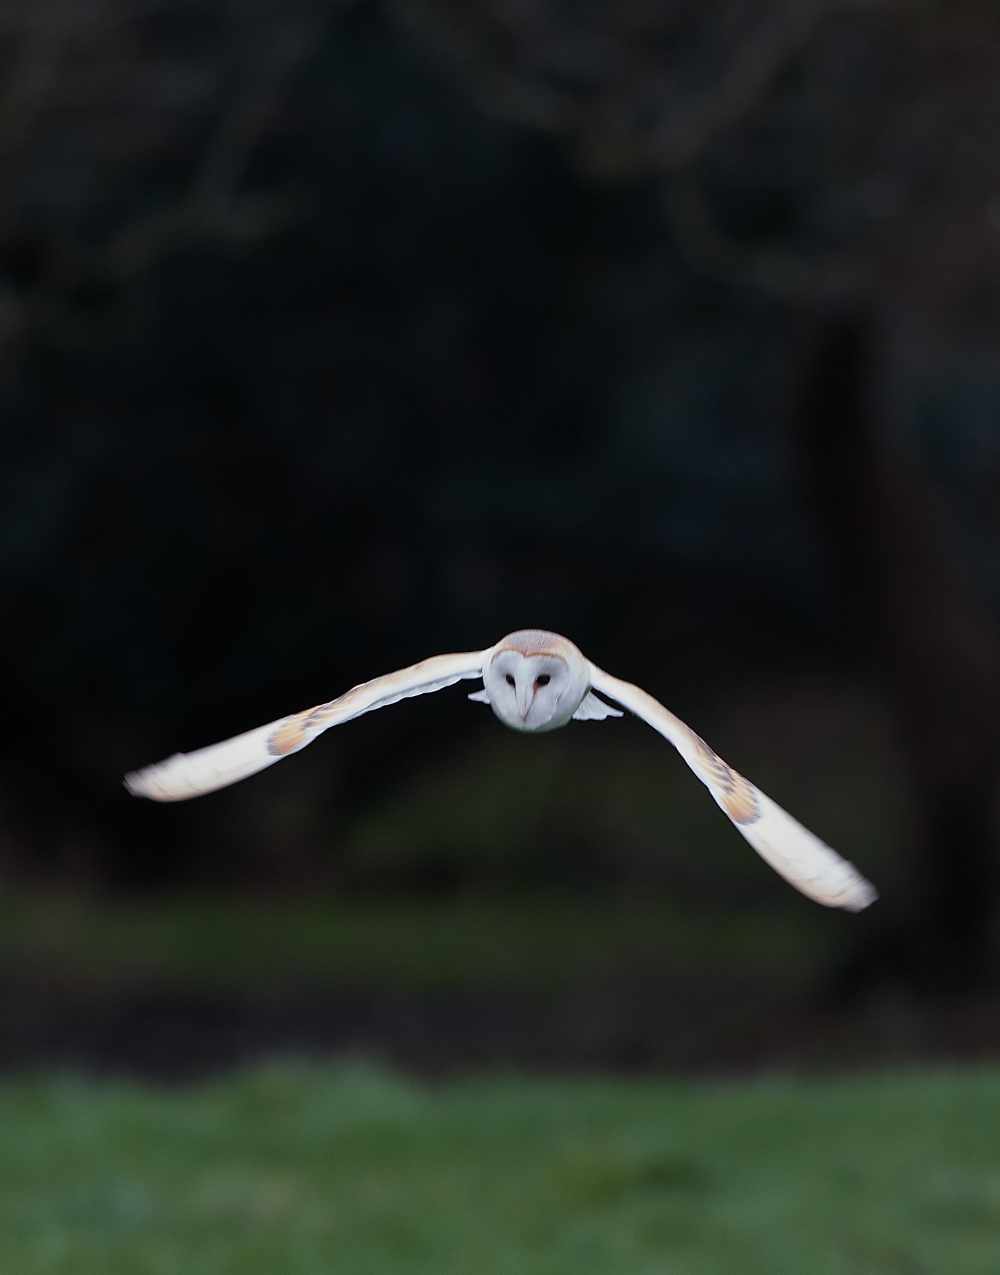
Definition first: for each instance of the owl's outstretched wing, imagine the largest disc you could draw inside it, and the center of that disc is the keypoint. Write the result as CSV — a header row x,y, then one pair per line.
x,y
191,774
793,851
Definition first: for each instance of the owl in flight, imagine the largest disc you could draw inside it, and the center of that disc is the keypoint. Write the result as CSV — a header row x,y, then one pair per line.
x,y
534,681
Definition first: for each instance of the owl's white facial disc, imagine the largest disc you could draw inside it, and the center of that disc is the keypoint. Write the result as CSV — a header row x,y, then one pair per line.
x,y
536,680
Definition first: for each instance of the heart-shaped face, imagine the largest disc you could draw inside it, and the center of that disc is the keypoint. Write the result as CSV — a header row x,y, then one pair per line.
x,y
536,680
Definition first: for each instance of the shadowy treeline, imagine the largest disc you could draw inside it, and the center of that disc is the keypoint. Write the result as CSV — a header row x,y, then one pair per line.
x,y
331,340
451,395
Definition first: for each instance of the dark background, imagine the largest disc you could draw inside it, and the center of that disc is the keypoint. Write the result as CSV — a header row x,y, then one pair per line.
x,y
333,336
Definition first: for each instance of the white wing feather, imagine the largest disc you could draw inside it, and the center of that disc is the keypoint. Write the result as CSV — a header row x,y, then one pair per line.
x,y
793,851
593,709
190,774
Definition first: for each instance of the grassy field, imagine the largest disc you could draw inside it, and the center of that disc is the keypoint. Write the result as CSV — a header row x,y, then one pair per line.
x,y
289,1170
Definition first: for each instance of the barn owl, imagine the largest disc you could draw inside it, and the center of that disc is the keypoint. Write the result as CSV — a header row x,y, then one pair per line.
x,y
534,681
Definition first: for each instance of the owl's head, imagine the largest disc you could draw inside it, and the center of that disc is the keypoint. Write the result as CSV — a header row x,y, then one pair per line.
x,y
535,680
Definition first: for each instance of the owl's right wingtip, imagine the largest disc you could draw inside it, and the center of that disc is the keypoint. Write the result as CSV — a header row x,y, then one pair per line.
x,y
133,783
149,783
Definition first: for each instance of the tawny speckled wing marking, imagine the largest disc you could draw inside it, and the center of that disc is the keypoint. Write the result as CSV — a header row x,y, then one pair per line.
x,y
793,851
191,774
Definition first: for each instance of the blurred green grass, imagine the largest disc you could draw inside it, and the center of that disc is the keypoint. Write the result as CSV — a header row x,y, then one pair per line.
x,y
316,1171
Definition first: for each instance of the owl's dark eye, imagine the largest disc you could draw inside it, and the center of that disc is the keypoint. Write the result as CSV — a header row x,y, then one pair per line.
x,y
543,680
510,680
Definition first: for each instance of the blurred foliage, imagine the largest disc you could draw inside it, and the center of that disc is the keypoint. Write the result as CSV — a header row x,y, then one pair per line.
x,y
266,951
572,856
312,367
603,808
307,1170
612,810
427,406
824,150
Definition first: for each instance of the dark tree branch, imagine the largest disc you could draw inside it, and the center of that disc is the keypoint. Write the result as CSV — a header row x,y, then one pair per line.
x,y
933,645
